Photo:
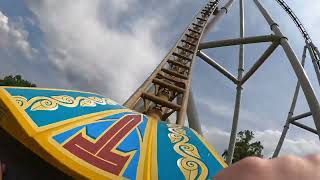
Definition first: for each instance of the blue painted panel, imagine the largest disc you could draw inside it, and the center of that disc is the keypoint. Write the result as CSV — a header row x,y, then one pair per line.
x,y
213,165
192,151
167,157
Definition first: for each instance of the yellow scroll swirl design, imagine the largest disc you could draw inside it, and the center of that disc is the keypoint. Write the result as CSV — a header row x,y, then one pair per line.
x,y
190,163
42,103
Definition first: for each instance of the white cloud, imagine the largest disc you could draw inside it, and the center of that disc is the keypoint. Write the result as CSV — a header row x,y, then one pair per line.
x,y
93,55
269,138
298,146
218,138
13,39
222,109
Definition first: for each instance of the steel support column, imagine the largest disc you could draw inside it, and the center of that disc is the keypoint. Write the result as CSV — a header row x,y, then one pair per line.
x,y
291,111
234,130
192,114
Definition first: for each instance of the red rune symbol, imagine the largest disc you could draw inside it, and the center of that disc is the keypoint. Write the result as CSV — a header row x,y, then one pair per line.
x,y
100,153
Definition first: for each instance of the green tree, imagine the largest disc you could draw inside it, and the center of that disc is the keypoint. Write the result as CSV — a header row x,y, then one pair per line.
x,y
245,146
15,81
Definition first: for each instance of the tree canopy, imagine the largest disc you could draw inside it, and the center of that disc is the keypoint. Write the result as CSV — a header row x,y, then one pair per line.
x,y
15,81
245,147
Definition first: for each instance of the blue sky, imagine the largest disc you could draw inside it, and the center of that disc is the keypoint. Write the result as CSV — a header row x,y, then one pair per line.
x,y
111,46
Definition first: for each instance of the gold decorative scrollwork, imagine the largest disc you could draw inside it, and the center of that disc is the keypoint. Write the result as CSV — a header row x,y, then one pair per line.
x,y
21,101
42,103
190,163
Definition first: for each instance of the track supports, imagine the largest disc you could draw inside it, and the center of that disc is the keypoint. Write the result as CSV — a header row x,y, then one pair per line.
x,y
297,67
276,39
260,61
239,41
236,113
167,90
192,114
217,66
292,108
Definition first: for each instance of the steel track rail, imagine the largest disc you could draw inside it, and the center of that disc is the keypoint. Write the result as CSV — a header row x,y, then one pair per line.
x,y
302,29
296,20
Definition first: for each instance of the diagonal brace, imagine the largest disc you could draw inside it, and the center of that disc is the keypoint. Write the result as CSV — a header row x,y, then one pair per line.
x,y
301,116
305,127
260,61
217,66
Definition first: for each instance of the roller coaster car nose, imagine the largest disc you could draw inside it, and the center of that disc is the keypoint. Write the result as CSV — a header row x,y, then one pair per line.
x,y
88,136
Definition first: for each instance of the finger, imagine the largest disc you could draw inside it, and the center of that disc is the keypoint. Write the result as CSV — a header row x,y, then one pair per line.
x,y
314,159
247,169
1,171
3,167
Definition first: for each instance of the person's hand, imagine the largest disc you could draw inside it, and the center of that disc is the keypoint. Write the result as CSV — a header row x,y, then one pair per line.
x,y
2,170
283,168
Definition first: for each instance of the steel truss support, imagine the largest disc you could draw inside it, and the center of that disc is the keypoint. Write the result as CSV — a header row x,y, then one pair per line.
x,y
277,39
302,80
237,105
314,52
239,41
302,126
217,66
301,116
292,119
291,111
297,67
260,61
241,79
167,89
192,114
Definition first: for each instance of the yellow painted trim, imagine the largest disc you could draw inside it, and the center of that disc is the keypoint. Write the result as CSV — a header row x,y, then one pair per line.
x,y
82,120
154,150
143,162
101,114
52,89
211,149
16,112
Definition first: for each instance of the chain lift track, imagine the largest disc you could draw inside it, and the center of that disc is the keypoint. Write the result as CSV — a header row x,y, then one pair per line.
x,y
312,48
167,89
